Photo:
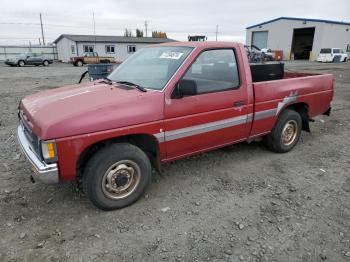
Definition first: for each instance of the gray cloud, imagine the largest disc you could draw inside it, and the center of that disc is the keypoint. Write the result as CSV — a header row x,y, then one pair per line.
x,y
19,19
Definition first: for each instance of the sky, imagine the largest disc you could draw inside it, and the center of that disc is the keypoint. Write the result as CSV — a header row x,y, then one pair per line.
x,y
20,23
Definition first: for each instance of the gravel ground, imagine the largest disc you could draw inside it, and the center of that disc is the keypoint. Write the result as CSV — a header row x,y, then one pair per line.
x,y
239,203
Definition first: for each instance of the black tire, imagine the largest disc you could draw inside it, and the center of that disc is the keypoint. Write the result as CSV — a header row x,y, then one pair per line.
x,y
99,168
45,63
274,140
79,63
21,63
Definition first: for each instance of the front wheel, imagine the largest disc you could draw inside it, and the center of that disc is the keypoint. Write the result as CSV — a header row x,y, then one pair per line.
x,y
116,176
21,63
79,63
45,63
286,132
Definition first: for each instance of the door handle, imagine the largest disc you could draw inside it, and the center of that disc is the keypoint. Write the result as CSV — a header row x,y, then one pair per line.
x,y
238,103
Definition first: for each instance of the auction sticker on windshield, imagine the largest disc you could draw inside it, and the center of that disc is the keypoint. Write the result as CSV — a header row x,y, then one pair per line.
x,y
171,55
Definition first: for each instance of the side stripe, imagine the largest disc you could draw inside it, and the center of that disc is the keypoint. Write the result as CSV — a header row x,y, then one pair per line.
x,y
212,126
265,114
216,125
199,129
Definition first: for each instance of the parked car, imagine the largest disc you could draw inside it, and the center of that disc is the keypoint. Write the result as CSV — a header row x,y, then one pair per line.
x,y
254,53
328,55
268,54
29,59
91,58
165,102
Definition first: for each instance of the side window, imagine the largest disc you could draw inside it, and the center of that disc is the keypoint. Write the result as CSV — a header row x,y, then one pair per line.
x,y
131,48
109,49
88,48
214,70
72,48
335,51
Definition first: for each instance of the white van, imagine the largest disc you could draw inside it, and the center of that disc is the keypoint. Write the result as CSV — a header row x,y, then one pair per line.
x,y
327,55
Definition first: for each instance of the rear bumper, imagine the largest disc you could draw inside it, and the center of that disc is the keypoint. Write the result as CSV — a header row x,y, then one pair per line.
x,y
47,173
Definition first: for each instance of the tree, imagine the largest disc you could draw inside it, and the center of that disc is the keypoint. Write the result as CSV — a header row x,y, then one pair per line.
x,y
139,33
128,32
159,34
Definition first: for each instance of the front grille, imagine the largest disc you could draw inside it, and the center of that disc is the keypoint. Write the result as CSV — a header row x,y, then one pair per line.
x,y
32,138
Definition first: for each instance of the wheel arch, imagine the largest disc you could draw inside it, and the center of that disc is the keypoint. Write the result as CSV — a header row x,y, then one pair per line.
x,y
303,110
146,142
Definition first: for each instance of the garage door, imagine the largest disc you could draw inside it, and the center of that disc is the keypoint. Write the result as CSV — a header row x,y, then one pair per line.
x,y
259,39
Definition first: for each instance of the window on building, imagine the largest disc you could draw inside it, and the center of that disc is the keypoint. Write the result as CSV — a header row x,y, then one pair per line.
x,y
131,48
88,48
110,49
72,48
214,71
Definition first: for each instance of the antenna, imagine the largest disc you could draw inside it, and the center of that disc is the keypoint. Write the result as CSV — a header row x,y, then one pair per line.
x,y
216,32
146,25
42,29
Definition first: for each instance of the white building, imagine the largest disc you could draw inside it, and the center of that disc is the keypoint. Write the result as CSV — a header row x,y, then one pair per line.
x,y
299,38
119,47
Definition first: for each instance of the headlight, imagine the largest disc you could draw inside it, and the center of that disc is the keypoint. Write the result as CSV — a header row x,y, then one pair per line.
x,y
49,150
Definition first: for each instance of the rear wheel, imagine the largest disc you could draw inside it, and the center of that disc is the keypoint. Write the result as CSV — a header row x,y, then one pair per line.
x,y
116,176
286,133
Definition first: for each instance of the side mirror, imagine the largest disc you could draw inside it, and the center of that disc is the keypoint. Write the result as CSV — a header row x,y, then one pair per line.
x,y
185,87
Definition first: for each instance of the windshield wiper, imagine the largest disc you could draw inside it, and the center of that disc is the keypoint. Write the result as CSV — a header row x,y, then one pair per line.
x,y
133,85
107,81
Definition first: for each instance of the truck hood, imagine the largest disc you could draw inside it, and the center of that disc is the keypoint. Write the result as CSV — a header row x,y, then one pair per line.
x,y
91,107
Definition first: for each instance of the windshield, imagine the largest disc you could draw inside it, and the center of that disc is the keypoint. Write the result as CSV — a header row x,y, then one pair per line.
x,y
151,67
326,51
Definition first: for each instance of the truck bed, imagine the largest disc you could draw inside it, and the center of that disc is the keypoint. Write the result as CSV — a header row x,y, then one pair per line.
x,y
313,90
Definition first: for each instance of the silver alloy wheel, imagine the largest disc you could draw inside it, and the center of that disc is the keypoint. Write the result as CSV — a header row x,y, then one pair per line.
x,y
289,132
79,63
21,63
46,63
121,179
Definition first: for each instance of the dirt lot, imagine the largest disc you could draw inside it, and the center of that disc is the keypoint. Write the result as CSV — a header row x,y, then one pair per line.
x,y
240,203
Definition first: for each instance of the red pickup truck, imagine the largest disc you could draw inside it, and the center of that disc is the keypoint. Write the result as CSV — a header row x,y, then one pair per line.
x,y
164,103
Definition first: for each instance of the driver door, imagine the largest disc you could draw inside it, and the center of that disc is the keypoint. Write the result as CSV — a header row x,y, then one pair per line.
x,y
216,114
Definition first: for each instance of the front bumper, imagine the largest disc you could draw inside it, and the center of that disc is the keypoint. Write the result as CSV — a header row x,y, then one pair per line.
x,y
47,173
10,63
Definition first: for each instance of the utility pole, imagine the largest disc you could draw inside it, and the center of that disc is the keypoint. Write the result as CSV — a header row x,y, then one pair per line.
x,y
93,19
146,25
216,32
42,30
